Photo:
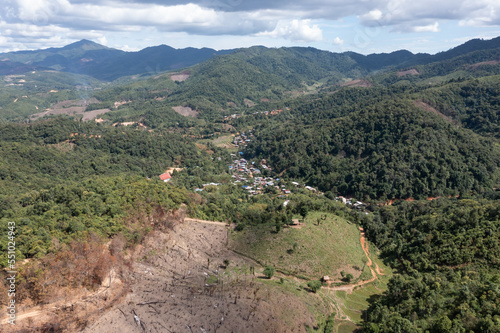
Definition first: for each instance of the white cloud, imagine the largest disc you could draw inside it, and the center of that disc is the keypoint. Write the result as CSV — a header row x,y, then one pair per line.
x,y
338,41
102,40
427,28
372,15
120,16
296,30
421,16
282,21
22,36
41,11
3,41
154,15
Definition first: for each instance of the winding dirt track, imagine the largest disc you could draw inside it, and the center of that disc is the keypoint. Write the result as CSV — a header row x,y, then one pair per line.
x,y
350,287
30,314
188,219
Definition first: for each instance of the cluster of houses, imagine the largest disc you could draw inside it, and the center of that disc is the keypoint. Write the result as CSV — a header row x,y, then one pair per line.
x,y
248,175
351,202
233,116
272,112
241,140
267,113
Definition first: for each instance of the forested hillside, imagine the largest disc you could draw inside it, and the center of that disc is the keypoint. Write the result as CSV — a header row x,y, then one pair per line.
x,y
447,252
78,157
475,104
267,140
392,149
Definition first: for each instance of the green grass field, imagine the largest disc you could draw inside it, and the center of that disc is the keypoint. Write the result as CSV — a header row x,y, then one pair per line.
x,y
353,305
224,141
324,249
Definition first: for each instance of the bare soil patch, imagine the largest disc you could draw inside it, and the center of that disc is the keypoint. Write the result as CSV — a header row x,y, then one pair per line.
x,y
412,71
170,170
357,83
491,62
186,111
72,108
69,309
180,284
249,102
180,76
89,115
427,107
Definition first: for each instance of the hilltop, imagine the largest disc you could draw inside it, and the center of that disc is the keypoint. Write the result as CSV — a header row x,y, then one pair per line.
x,y
104,63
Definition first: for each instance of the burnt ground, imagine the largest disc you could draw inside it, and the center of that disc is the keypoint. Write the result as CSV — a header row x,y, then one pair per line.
x,y
179,284
186,111
177,281
72,108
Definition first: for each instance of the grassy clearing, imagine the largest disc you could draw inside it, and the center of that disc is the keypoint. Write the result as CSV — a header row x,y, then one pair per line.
x,y
324,249
346,327
351,305
292,305
354,304
225,141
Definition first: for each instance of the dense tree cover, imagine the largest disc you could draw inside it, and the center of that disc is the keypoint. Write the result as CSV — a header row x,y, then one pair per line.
x,y
232,204
152,113
61,177
136,89
475,104
299,64
462,62
39,154
447,253
228,79
388,150
103,205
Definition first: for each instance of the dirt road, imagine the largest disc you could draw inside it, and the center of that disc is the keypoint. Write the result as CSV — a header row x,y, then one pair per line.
x,y
350,287
188,219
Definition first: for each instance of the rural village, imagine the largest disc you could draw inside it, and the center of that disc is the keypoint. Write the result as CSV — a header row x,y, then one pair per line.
x,y
253,176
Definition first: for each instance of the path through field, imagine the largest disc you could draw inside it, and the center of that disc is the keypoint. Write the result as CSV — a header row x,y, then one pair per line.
x,y
350,287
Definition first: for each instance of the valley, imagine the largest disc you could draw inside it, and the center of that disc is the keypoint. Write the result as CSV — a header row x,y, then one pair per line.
x,y
302,190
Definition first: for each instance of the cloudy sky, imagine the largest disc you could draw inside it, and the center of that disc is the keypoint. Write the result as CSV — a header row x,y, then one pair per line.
x,y
364,26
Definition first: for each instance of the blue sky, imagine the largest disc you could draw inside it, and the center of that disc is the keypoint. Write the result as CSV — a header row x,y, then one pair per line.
x,y
364,26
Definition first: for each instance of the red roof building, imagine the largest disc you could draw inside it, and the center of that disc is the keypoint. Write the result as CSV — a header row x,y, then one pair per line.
x,y
165,177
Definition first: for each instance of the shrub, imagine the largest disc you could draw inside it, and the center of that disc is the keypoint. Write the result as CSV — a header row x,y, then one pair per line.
x,y
314,285
269,272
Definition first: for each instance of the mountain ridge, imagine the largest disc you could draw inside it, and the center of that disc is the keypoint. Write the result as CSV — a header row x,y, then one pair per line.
x,y
107,64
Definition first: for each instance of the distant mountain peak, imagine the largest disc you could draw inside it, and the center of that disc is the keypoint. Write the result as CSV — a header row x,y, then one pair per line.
x,y
85,44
